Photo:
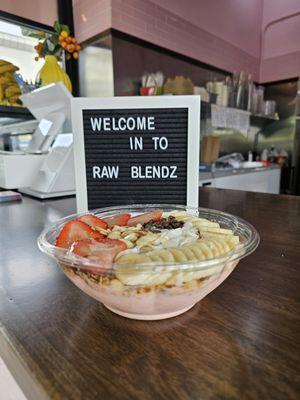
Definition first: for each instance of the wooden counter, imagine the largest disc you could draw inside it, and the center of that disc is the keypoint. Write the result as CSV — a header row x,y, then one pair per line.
x,y
240,342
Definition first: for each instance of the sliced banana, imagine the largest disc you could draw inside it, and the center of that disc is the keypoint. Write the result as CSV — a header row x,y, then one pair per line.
x,y
205,224
137,266
216,230
179,255
233,239
134,258
205,249
222,243
212,246
165,255
197,251
156,257
146,240
189,253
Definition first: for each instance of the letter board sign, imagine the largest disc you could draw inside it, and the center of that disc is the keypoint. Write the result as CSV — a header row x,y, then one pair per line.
x,y
136,150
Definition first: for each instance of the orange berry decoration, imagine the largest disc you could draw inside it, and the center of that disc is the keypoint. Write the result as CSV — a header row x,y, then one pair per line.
x,y
70,47
54,43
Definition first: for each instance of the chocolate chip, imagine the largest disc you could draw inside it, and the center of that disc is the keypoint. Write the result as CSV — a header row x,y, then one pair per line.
x,y
164,223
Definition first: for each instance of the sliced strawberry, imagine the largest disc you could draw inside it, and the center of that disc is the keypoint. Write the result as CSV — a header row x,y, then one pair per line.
x,y
119,219
99,250
154,215
93,221
75,230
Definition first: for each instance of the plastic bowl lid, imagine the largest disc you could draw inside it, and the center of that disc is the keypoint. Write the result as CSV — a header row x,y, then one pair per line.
x,y
249,240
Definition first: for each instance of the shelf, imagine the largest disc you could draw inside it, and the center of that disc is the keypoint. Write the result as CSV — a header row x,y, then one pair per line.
x,y
15,113
206,109
264,117
259,121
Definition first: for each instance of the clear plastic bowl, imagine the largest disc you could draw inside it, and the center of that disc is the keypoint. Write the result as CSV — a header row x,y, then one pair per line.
x,y
148,301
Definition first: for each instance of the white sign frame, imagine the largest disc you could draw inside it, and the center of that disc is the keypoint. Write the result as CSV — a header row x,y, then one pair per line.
x,y
192,103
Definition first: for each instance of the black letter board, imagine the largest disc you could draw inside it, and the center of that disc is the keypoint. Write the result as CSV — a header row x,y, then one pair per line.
x,y
136,155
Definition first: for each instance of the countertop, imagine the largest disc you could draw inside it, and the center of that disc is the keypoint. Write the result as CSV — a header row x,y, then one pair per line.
x,y
240,342
206,175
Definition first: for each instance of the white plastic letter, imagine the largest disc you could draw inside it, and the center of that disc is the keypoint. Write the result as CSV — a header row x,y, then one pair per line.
x,y
155,140
151,126
134,172
173,170
113,171
163,143
123,120
96,124
141,123
130,124
106,124
96,172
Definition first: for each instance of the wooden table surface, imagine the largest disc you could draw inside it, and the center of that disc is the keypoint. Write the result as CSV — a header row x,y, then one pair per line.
x,y
240,342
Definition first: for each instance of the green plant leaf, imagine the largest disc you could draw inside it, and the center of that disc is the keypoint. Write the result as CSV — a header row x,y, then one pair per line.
x,y
30,33
50,45
57,27
54,39
65,28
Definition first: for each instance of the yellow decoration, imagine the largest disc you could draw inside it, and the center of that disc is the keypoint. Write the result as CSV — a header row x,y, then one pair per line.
x,y
52,72
9,89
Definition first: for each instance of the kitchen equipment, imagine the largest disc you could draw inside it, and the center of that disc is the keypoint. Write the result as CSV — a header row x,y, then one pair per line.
x,y
252,164
46,168
269,108
234,160
265,155
260,100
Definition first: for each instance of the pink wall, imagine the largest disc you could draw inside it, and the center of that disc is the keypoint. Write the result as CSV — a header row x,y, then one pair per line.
x,y
275,9
43,11
91,17
238,22
231,35
172,24
169,27
257,36
280,55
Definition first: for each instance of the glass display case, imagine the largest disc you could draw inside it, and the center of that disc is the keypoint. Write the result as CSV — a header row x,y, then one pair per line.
x,y
17,41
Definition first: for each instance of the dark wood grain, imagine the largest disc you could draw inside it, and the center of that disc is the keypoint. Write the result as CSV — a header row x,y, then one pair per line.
x,y
240,342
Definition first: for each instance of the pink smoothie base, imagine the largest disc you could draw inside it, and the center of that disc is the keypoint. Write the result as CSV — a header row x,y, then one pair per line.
x,y
154,304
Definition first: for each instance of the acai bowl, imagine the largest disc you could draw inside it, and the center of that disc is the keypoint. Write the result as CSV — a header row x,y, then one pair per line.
x,y
149,262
